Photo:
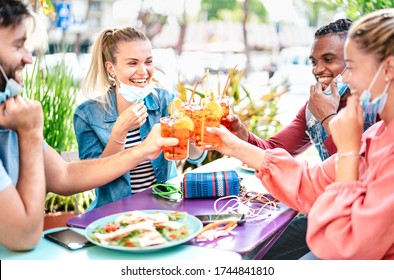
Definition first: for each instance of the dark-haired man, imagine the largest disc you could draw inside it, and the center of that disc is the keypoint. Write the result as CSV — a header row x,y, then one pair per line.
x,y
310,126
27,164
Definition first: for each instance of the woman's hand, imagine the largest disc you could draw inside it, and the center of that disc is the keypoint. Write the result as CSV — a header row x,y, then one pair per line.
x,y
347,127
229,142
232,146
131,118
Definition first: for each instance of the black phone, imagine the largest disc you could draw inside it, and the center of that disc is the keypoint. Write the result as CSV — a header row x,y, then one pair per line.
x,y
210,218
68,238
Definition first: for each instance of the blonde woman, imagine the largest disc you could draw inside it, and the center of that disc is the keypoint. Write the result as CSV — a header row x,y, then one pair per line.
x,y
122,108
350,196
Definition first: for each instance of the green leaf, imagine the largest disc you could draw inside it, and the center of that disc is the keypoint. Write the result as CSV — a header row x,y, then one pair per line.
x,y
56,90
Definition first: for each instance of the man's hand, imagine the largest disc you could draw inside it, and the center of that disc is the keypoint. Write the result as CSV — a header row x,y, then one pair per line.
x,y
322,105
237,127
152,145
22,115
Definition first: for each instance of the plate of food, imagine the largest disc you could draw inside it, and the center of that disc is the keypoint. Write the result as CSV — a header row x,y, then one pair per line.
x,y
144,230
245,167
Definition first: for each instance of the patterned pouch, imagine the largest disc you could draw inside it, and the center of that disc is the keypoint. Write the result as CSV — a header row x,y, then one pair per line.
x,y
212,184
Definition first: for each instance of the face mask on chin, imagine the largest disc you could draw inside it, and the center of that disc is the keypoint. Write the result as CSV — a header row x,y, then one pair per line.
x,y
133,94
12,88
374,106
341,86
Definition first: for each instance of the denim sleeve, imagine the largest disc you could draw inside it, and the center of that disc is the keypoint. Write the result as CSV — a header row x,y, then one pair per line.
x,y
165,102
89,145
5,180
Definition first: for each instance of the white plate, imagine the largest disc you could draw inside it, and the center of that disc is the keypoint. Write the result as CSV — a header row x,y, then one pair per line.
x,y
193,224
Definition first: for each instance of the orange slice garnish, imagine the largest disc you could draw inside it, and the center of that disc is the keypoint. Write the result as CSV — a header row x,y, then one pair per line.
x,y
175,104
185,123
215,109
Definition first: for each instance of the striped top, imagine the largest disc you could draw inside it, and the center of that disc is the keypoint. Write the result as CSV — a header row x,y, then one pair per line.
x,y
142,176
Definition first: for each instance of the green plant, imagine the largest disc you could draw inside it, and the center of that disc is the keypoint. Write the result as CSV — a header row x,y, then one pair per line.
x,y
259,115
55,88
78,202
357,8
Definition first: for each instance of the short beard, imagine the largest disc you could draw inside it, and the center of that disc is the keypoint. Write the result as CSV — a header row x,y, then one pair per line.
x,y
3,81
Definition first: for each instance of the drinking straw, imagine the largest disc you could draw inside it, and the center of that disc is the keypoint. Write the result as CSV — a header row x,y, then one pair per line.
x,y
206,83
173,119
204,105
218,83
199,81
228,79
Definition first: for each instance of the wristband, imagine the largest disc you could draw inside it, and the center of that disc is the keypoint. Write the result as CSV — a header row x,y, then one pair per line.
x,y
117,141
346,154
330,115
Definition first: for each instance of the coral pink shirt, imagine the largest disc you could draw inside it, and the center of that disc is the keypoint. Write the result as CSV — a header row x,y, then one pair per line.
x,y
347,220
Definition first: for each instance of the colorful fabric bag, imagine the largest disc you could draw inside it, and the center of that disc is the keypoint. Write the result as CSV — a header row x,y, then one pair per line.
x,y
212,184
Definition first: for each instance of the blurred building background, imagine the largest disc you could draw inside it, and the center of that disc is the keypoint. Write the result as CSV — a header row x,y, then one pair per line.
x,y
223,33
266,39
168,25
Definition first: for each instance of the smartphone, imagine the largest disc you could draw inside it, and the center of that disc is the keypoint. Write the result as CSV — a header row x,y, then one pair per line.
x,y
210,218
68,238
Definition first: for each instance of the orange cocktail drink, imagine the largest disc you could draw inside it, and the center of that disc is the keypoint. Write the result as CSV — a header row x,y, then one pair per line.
x,y
225,104
178,127
224,101
189,110
209,115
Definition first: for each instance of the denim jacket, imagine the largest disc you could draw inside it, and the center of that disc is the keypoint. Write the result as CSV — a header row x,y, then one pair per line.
x,y
318,135
93,125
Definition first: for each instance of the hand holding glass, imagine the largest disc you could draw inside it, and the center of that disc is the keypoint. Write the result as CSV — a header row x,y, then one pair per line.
x,y
178,127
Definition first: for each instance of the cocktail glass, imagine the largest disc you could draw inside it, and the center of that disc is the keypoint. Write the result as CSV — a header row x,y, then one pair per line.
x,y
178,127
225,104
208,115
189,110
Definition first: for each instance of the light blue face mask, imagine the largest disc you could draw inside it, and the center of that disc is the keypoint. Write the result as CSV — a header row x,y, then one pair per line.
x,y
341,87
375,106
12,88
133,94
